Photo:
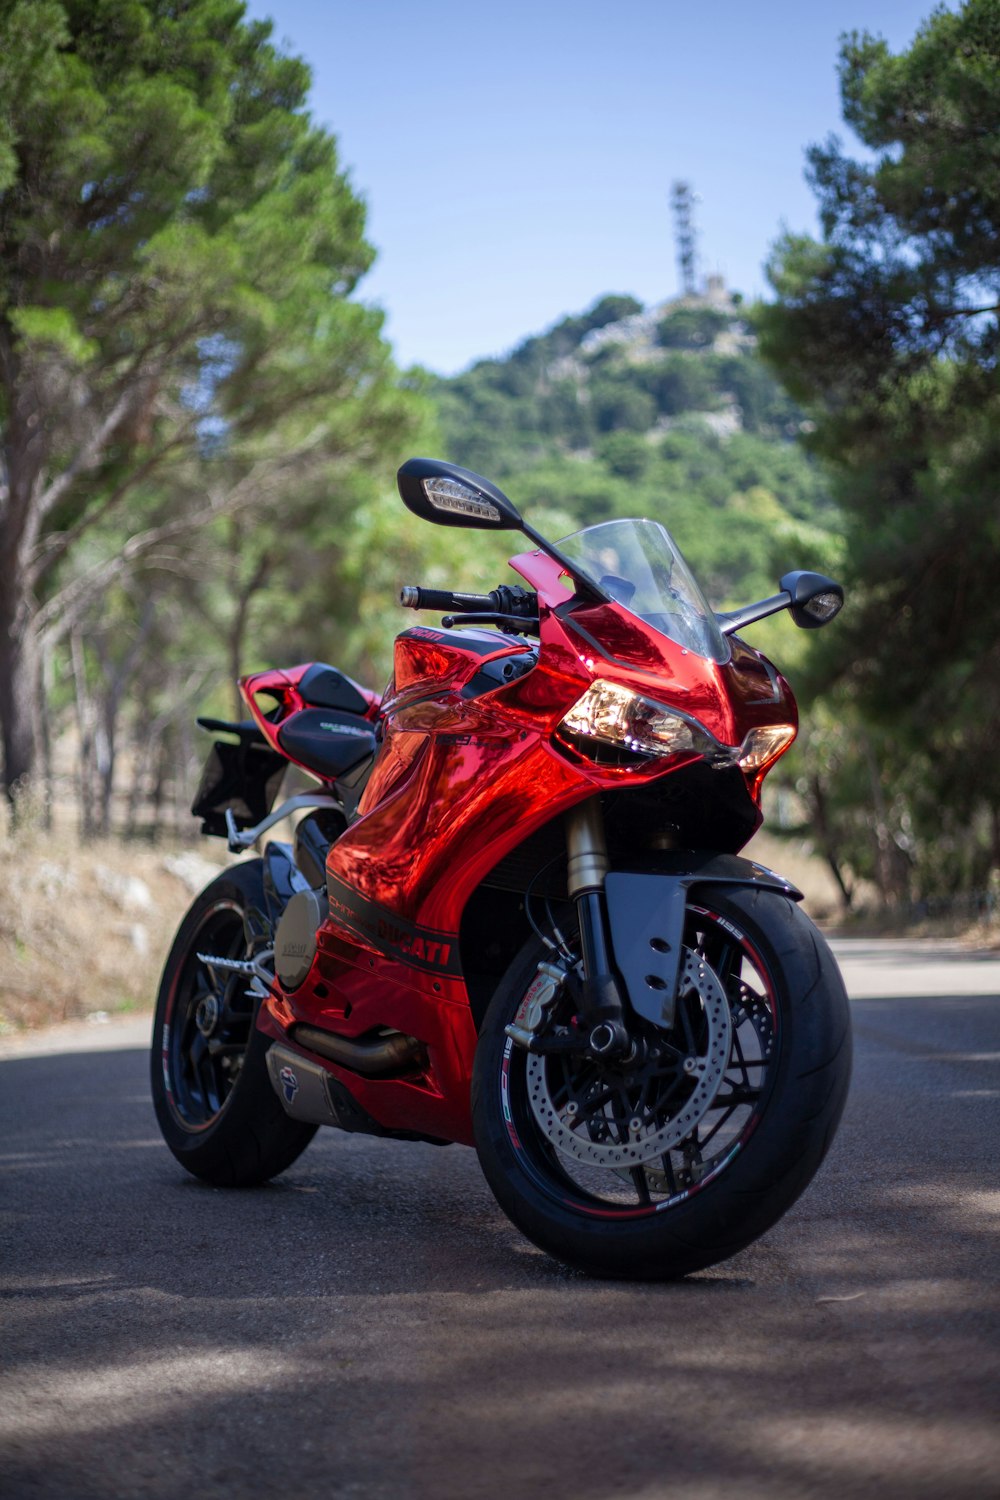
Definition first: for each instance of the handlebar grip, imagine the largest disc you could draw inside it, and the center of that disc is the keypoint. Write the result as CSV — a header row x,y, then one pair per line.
x,y
413,597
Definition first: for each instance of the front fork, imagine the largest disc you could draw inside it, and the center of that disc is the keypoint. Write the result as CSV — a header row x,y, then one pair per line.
x,y
601,1008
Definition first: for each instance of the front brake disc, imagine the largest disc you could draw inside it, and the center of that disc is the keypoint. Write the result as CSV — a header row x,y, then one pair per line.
x,y
657,1125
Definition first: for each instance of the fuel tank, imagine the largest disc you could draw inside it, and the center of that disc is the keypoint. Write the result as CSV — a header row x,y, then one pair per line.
x,y
427,661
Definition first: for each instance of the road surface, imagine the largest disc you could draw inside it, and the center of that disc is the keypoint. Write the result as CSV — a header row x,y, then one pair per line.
x,y
370,1325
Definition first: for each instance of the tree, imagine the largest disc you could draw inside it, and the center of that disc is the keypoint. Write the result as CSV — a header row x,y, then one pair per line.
x,y
887,330
177,251
692,327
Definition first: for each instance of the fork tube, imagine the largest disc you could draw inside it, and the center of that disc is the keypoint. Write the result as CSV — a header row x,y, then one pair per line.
x,y
586,847
587,865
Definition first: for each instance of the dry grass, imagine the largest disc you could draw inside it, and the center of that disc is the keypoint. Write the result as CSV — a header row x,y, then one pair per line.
x,y
85,929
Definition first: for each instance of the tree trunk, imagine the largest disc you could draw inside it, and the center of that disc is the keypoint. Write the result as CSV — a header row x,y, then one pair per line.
x,y
244,594
106,758
19,679
22,449
891,864
827,839
43,694
85,720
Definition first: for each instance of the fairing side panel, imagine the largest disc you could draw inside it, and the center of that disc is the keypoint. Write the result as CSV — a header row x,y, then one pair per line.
x,y
460,801
350,991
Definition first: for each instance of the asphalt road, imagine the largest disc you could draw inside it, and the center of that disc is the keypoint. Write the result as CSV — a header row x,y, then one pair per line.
x,y
371,1326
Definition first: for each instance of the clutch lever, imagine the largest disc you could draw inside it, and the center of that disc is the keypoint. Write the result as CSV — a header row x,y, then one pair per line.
x,y
515,624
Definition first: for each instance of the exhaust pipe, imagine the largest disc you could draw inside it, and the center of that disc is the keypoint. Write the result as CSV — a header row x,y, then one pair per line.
x,y
375,1057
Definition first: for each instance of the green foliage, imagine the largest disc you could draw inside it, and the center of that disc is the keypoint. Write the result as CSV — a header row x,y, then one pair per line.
x,y
615,431
626,454
887,330
179,351
682,383
618,405
691,327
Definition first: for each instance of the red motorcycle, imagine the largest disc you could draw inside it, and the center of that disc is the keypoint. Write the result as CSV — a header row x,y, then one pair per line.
x,y
514,914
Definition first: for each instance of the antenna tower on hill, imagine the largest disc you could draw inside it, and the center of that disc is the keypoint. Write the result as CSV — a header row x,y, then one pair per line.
x,y
682,200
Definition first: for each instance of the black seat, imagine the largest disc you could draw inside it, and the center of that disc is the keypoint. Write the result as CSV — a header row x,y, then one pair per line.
x,y
325,687
327,741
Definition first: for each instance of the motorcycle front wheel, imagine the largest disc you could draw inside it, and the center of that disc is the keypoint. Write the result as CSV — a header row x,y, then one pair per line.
x,y
213,1098
651,1168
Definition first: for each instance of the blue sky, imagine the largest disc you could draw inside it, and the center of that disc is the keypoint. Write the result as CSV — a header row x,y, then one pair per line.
x,y
517,159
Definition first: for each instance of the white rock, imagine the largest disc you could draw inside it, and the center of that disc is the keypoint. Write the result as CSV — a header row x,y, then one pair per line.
x,y
127,891
191,870
52,878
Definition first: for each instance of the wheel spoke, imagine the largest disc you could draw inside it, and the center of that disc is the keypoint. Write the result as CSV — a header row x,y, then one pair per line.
x,y
727,1113
668,1172
737,1058
736,1097
201,1069
638,1176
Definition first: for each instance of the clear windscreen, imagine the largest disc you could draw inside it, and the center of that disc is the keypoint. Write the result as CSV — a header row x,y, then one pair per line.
x,y
640,566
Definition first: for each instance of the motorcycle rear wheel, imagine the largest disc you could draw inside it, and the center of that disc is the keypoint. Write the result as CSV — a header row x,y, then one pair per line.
x,y
213,1098
557,1136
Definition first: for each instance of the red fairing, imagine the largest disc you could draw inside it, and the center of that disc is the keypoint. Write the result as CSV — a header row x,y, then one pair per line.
x,y
468,767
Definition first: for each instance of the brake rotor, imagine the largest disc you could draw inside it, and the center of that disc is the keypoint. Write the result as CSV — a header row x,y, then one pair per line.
x,y
655,1125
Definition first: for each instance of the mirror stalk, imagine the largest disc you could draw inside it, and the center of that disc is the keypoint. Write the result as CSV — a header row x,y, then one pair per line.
x,y
735,619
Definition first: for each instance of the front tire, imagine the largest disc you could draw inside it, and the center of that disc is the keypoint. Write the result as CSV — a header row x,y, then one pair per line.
x,y
567,1144
211,1091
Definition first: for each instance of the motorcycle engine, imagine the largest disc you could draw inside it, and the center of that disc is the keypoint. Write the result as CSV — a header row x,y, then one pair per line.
x,y
295,939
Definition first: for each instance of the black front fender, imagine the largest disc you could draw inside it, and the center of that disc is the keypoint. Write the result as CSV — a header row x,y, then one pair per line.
x,y
646,906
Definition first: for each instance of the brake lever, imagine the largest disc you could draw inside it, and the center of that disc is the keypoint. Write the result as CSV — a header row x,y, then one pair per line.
x,y
515,624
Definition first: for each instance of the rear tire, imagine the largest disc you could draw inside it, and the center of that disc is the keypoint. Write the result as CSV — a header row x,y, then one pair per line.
x,y
547,1133
211,1091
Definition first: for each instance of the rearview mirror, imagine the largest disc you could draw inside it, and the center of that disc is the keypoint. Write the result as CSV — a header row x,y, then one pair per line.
x,y
815,599
811,599
450,496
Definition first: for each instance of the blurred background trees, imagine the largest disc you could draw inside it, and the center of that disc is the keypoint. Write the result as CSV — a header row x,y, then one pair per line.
x,y
189,396
886,331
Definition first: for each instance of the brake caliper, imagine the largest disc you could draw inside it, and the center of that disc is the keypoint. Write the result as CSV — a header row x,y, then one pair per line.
x,y
542,992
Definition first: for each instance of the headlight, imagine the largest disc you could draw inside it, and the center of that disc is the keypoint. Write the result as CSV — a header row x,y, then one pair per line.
x,y
609,714
613,715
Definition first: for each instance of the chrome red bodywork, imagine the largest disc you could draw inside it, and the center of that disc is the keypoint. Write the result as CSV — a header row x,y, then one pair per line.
x,y
465,772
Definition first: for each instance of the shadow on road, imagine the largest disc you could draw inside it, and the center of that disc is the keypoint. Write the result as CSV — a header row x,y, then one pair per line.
x,y
371,1326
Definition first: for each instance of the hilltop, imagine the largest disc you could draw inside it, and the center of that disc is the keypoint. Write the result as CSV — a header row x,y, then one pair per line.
x,y
667,411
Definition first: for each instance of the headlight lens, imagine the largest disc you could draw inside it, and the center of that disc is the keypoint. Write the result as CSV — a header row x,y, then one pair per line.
x,y
613,715
609,714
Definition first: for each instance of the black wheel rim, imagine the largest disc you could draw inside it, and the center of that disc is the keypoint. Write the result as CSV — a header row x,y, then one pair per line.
x,y
208,1022
607,1099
